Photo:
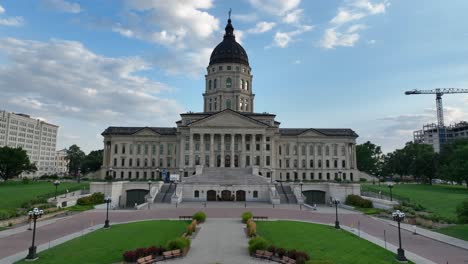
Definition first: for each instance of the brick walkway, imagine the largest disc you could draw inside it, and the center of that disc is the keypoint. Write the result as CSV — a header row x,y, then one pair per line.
x,y
435,251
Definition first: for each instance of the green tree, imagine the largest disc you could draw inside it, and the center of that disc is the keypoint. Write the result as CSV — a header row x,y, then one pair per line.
x,y
454,162
424,162
13,162
369,158
75,158
92,162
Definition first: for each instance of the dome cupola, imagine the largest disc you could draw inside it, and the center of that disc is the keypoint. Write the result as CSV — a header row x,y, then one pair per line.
x,y
229,51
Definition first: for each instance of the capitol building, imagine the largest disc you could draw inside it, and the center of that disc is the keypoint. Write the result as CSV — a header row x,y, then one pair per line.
x,y
229,151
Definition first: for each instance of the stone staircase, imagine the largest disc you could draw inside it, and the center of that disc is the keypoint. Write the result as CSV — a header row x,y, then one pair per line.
x,y
165,193
227,172
282,195
286,194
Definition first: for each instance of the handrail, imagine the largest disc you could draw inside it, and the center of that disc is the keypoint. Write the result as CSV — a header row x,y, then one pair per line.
x,y
284,192
165,193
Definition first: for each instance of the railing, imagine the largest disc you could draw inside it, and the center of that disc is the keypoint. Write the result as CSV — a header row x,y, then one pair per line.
x,y
167,190
284,192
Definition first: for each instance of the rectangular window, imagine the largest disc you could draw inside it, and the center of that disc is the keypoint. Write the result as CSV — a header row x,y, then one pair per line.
x,y
130,162
247,160
186,160
129,174
168,160
257,147
169,149
267,160
197,146
138,149
115,149
160,162
146,149
287,163
207,160
187,146
131,149
207,146
154,149
311,150
161,149
123,162
267,147
137,174
123,148
311,163
303,150
247,147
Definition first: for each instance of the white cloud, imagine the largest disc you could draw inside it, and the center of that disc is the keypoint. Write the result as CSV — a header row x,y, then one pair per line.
x,y
63,78
371,42
63,6
245,17
293,17
297,62
275,7
11,21
2,10
184,27
262,27
355,10
282,39
332,38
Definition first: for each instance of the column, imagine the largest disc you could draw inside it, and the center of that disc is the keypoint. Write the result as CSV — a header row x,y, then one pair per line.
x,y
242,149
202,149
191,155
181,153
307,162
222,150
232,150
212,156
252,147
262,152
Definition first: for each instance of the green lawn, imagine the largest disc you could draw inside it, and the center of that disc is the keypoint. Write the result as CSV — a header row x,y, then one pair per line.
x,y
106,246
458,231
15,193
439,199
324,243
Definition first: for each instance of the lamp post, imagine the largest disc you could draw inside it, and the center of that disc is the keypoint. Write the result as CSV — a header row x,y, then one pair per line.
x,y
34,214
56,183
181,171
300,184
149,194
399,216
336,202
390,186
108,200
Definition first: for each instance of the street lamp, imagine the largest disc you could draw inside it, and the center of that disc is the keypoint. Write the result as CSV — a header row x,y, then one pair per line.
x,y
390,186
108,200
34,214
149,193
399,216
56,183
336,202
181,171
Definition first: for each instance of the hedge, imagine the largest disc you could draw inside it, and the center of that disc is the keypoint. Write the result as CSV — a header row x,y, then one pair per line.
x,y
356,200
95,198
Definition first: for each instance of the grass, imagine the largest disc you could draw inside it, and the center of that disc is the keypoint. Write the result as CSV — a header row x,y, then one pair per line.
x,y
108,245
369,211
458,231
80,208
439,199
324,243
14,194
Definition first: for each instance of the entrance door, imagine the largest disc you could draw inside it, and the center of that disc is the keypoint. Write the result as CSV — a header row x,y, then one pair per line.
x,y
136,197
227,161
211,195
314,197
226,195
236,161
240,195
218,161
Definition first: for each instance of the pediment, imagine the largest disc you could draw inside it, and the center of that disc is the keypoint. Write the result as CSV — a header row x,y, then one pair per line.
x,y
312,133
228,119
145,132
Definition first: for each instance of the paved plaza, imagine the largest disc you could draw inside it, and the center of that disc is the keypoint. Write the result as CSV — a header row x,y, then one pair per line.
x,y
19,239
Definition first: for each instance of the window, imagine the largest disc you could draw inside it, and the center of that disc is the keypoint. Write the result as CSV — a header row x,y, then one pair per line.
x,y
207,160
115,162
161,149
267,161
197,160
228,83
130,162
146,149
294,150
335,163
343,151
320,175
327,163
247,160
228,104
215,83
186,160
328,176
303,150
121,175
319,150
257,147
343,163
327,151
220,68
209,85
153,162
168,160
287,163
279,150
138,149
287,150
320,163
247,85
146,163
311,163
255,194
122,162
335,150
303,163
131,149
229,68
145,175
115,148
123,148
160,162
242,86
138,162
267,147
311,150
129,174
257,160
196,194
154,149
137,174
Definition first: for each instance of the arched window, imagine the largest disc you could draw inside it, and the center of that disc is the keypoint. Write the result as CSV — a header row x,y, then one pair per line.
x,y
228,104
327,151
209,85
146,162
138,163
255,194
215,83
196,194
153,162
247,85
228,83
242,85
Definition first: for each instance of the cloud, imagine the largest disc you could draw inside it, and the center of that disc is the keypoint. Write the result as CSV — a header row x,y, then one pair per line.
x,y
340,33
10,21
63,6
262,27
63,78
293,17
275,7
282,39
184,27
245,17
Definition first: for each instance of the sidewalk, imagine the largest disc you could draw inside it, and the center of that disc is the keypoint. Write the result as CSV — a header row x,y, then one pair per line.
x,y
429,234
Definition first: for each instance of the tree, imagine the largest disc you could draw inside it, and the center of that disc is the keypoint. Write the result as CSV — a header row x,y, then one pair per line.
x,y
424,162
75,159
369,158
92,162
13,162
454,163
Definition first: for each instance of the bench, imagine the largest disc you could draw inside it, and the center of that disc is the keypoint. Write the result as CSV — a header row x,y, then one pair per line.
x,y
172,254
260,218
185,217
146,260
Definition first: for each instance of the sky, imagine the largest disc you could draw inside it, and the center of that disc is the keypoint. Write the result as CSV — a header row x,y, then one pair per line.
x,y
86,65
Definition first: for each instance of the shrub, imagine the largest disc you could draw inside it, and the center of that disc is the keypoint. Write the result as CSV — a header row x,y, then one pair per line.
x,y
178,243
95,198
130,256
246,216
362,179
199,216
272,249
462,212
251,228
280,252
258,243
356,200
191,227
